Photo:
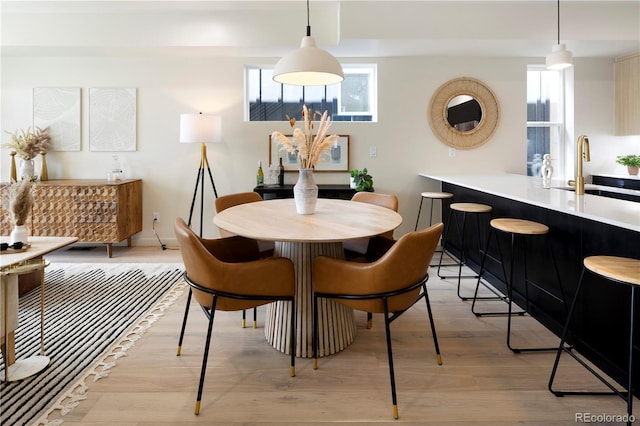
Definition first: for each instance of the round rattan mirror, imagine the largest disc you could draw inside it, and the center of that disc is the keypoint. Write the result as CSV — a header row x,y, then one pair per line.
x,y
464,113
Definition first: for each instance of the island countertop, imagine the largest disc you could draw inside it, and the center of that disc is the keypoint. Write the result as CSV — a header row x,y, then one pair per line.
x,y
527,189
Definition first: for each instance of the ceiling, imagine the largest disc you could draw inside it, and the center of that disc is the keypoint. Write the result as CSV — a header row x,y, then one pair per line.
x,y
348,28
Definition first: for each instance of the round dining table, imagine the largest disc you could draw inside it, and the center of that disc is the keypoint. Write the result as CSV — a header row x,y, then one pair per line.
x,y
302,237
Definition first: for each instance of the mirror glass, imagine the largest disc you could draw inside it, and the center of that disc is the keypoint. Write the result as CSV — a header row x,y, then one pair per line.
x,y
464,113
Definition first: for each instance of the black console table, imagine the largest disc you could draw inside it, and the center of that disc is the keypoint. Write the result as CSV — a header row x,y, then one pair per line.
x,y
339,191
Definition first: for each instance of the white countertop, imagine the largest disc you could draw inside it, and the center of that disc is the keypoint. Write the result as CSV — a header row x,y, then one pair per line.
x,y
526,189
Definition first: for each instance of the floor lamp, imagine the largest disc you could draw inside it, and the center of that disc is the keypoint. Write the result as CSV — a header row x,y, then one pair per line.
x,y
200,128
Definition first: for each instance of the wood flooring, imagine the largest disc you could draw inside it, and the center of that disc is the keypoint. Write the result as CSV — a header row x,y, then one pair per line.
x,y
481,382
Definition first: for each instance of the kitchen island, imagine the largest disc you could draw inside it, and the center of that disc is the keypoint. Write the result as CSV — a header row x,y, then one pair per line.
x,y
580,226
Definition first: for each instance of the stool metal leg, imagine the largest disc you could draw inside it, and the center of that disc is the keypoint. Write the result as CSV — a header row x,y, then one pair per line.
x,y
419,210
498,296
563,347
460,261
527,282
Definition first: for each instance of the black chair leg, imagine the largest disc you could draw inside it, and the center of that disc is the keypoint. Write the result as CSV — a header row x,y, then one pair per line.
x,y
293,338
244,318
184,322
392,377
315,332
255,317
369,320
433,326
206,353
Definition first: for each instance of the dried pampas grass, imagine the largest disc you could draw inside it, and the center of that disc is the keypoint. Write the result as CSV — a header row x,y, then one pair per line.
x,y
307,146
20,201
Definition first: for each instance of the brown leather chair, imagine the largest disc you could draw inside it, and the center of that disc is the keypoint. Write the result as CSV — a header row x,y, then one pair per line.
x,y
228,274
390,285
355,249
265,247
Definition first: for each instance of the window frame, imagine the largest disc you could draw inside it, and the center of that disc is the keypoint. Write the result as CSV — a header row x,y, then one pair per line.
x,y
369,68
557,143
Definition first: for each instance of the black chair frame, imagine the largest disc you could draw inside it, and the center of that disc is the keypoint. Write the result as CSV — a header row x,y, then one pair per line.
x,y
627,395
210,314
388,319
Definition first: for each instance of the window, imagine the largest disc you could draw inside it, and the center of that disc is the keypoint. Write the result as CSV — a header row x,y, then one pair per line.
x,y
355,99
545,118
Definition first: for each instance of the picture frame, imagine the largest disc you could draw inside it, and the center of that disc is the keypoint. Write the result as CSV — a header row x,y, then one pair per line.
x,y
333,160
58,108
112,118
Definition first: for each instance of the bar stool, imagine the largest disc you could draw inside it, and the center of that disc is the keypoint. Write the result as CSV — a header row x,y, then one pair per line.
x,y
619,270
465,209
523,229
431,196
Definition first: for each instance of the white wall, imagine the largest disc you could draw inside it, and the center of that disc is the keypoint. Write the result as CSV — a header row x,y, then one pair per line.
x,y
405,144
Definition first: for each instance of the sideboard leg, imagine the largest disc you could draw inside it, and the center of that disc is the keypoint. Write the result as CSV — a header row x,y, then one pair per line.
x,y
109,250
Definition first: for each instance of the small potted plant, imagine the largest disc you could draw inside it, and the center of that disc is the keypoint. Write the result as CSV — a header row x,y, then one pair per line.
x,y
632,162
361,180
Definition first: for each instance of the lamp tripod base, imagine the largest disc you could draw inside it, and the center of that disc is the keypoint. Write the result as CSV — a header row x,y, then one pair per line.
x,y
24,368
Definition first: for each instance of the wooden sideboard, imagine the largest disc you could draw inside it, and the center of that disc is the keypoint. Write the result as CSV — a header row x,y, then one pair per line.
x,y
94,211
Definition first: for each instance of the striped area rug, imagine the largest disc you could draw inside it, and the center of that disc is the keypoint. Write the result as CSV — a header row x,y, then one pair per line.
x,y
90,309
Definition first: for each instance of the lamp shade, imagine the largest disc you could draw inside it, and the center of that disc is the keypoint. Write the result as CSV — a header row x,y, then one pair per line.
x,y
559,58
308,66
200,128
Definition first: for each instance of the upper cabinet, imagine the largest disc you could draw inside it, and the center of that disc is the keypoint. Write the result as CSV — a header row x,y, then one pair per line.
x,y
627,92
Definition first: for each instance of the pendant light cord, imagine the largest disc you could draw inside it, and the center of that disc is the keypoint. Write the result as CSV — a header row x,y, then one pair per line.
x,y
558,21
309,25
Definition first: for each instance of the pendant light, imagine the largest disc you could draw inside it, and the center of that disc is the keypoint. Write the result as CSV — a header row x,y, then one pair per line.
x,y
308,65
560,57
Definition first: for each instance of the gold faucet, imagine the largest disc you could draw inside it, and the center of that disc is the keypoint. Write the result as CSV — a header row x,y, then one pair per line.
x,y
582,151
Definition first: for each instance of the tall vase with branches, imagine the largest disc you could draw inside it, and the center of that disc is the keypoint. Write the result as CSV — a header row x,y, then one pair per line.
x,y
19,203
308,147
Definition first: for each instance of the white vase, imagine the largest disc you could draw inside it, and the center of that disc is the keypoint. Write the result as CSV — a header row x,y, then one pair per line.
x,y
27,170
19,234
305,192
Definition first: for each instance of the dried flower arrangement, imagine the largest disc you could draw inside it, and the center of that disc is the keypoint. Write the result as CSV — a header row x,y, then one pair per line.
x,y
307,146
20,201
29,143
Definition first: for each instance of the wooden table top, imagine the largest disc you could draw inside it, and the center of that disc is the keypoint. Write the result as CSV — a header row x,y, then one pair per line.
x,y
39,247
333,221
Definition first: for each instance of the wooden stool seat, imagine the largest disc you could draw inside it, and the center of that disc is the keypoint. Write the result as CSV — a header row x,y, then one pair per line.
x,y
470,207
615,268
436,195
519,226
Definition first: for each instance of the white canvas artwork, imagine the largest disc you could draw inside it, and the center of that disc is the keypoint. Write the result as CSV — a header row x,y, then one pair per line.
x,y
58,108
112,119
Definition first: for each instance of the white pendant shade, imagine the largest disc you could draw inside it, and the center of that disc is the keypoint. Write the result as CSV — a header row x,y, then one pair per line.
x,y
308,66
200,128
559,58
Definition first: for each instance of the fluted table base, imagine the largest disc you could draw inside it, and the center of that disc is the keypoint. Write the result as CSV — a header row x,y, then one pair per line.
x,y
336,323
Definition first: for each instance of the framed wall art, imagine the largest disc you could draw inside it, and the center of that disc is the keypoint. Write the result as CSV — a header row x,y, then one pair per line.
x,y
58,108
335,159
112,119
